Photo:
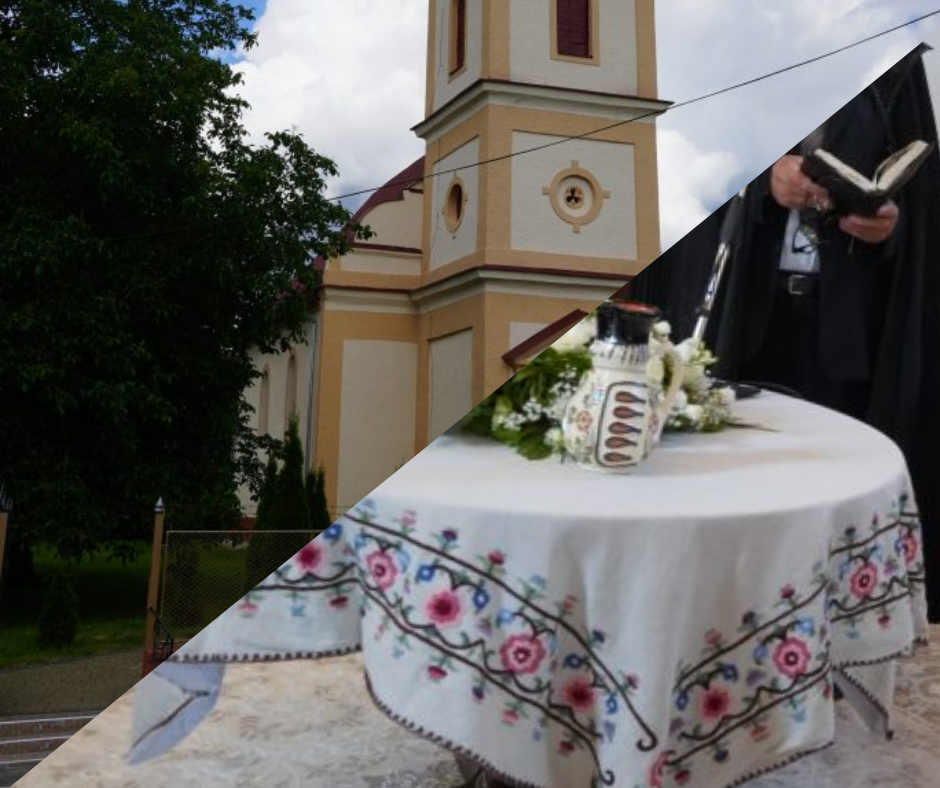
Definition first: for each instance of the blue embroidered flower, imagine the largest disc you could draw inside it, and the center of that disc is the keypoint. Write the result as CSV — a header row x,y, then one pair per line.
x,y
806,626
721,755
426,573
403,559
612,704
729,672
682,701
481,598
760,653
505,616
334,532
574,661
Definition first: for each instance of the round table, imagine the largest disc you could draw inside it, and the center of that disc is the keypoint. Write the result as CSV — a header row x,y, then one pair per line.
x,y
562,628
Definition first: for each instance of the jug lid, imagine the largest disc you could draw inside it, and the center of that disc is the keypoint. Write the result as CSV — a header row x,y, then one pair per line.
x,y
626,323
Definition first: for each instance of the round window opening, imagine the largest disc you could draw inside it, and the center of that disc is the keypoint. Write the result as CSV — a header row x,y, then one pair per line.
x,y
454,206
576,196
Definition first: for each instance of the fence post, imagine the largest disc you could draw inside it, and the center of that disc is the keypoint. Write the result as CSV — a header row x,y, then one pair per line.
x,y
6,506
153,590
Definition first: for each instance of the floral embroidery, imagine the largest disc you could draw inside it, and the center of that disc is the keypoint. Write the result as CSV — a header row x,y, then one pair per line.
x,y
310,557
444,608
383,569
527,652
520,648
522,654
792,657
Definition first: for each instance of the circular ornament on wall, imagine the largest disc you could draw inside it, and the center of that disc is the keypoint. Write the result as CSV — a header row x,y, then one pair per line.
x,y
455,201
576,196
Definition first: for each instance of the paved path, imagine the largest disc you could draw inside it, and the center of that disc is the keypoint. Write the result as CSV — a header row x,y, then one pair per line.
x,y
69,685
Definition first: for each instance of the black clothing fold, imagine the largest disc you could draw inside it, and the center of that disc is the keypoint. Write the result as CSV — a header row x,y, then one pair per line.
x,y
875,322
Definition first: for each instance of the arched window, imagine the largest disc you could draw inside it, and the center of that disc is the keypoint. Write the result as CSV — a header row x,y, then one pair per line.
x,y
458,35
264,402
574,26
290,392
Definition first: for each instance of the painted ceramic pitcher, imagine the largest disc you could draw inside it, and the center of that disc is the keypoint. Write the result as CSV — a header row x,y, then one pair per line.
x,y
616,417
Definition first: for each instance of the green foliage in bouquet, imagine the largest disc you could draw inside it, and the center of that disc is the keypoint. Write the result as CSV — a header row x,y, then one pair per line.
x,y
525,410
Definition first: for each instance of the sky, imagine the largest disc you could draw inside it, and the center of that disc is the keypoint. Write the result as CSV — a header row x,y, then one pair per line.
x,y
349,76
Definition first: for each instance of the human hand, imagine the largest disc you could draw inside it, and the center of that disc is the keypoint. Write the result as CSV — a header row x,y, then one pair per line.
x,y
794,190
872,230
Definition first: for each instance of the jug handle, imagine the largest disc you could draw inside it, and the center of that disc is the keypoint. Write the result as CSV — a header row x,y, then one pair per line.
x,y
675,385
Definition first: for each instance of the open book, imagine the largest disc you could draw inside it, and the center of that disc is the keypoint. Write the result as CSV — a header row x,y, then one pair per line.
x,y
853,193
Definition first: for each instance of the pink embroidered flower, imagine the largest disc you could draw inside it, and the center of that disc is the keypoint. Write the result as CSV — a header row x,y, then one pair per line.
x,y
436,673
682,777
791,656
339,602
580,696
884,621
864,581
497,558
510,717
383,569
714,703
659,767
759,733
444,608
522,654
787,592
713,638
909,547
248,607
310,557
565,747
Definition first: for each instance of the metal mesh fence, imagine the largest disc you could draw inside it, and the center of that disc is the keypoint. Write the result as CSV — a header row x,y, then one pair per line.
x,y
206,572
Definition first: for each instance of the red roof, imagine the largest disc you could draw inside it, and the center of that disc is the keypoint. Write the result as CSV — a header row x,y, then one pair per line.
x,y
392,191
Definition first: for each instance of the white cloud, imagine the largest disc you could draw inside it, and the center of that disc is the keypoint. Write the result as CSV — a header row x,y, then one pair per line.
x,y
692,183
350,75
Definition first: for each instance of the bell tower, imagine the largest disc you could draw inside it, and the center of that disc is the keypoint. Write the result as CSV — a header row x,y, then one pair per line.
x,y
509,82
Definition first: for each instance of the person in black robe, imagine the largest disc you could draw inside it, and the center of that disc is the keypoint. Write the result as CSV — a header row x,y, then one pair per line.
x,y
857,331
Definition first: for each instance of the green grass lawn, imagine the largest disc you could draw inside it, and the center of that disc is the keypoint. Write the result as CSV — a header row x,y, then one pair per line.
x,y
113,599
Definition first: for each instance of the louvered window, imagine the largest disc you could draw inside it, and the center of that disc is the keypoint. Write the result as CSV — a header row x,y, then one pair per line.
x,y
574,28
458,31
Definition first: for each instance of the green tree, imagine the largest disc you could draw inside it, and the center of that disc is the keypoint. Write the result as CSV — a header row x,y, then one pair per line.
x,y
146,247
283,509
316,497
58,618
256,559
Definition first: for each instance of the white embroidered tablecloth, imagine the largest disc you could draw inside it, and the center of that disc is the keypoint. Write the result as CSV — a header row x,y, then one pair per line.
x,y
678,626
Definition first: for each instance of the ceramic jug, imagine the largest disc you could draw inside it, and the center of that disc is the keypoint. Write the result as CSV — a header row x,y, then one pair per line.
x,y
616,417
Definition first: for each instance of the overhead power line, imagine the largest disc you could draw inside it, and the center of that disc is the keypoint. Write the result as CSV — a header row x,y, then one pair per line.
x,y
566,139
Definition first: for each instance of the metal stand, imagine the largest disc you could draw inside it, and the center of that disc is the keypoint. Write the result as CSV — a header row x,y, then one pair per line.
x,y
723,256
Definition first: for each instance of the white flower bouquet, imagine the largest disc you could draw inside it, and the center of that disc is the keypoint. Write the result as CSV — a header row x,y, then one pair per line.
x,y
526,412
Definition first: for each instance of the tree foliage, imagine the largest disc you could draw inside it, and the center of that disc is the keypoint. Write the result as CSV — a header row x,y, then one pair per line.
x,y
59,616
283,509
146,246
316,498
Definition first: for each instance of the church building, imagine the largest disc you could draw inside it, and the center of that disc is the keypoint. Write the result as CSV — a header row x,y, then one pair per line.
x,y
494,243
